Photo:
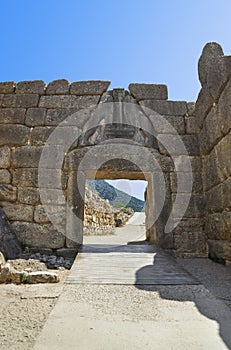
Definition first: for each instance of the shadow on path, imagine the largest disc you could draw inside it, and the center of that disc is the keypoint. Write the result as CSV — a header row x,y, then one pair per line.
x,y
205,302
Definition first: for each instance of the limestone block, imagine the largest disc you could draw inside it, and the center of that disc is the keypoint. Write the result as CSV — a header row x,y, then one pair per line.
x,y
38,236
42,277
191,144
218,226
190,242
7,87
64,101
40,134
214,199
5,176
31,87
8,193
2,260
26,156
190,109
192,126
12,115
73,116
184,179
226,194
35,116
224,109
53,196
55,212
18,212
212,69
180,163
4,157
211,131
25,177
195,208
94,87
18,101
219,250
203,105
223,150
28,195
210,173
190,225
159,127
58,87
148,91
13,134
178,108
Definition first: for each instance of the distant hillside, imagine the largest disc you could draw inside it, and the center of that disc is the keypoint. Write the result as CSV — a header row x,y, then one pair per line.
x,y
117,198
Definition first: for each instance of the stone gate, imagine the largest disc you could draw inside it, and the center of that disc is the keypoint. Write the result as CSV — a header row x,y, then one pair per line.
x,y
54,137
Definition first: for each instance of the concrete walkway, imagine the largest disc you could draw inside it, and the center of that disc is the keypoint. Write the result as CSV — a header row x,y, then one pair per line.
x,y
124,317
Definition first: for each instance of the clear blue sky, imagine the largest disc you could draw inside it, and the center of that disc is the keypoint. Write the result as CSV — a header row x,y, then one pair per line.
x,y
122,41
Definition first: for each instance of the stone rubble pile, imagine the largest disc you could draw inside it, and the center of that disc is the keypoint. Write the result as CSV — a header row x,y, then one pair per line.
x,y
25,271
100,218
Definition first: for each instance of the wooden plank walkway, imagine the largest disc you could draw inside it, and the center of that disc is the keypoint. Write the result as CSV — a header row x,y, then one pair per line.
x,y
127,264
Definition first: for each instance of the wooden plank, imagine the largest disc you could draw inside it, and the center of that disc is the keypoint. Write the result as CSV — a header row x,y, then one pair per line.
x,y
135,264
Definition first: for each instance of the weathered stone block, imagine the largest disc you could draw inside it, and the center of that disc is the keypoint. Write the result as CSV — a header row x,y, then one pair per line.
x,y
13,134
28,195
214,199
26,156
64,101
72,116
52,196
176,122
4,157
7,87
35,116
94,87
195,208
190,225
56,213
5,176
190,109
38,236
181,163
58,87
192,126
184,180
212,68
210,173
8,193
18,212
25,101
165,107
218,226
190,242
25,177
52,178
148,91
175,148
203,105
211,131
219,250
39,135
31,87
224,109
12,115
223,150
226,194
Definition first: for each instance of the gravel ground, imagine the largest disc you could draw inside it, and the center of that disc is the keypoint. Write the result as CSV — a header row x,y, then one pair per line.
x,y
24,310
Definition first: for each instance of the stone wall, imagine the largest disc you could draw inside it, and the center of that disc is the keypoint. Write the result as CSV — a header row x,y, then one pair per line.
x,y
31,111
99,216
213,115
